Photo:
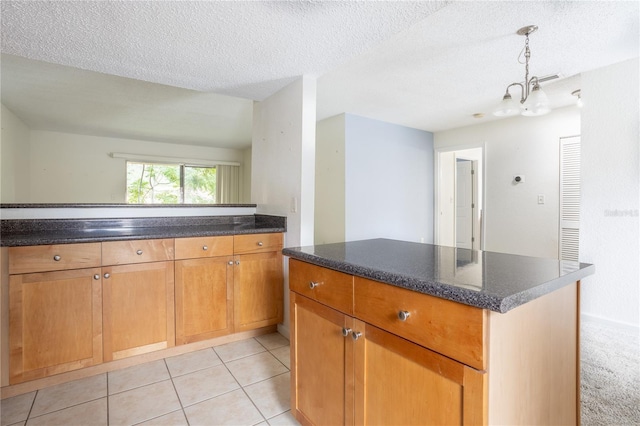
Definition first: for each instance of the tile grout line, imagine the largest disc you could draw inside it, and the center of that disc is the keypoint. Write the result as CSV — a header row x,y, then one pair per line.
x,y
242,387
176,391
171,377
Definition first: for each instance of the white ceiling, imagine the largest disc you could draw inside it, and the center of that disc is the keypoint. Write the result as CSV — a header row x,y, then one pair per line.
x,y
187,71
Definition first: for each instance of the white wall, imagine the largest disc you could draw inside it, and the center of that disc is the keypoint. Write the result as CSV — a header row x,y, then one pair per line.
x,y
529,146
245,194
283,152
388,181
14,154
71,168
609,230
330,187
373,180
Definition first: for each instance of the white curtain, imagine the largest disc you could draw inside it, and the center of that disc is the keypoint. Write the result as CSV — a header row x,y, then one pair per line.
x,y
228,184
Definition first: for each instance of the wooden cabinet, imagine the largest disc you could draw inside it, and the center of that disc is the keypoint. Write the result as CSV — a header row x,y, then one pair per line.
x,y
76,305
398,382
257,281
55,318
138,298
348,371
204,288
322,377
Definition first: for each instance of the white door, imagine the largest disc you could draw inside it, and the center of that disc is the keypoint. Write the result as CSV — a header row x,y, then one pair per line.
x,y
464,203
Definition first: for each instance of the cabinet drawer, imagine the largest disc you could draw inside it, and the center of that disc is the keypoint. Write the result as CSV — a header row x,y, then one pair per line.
x,y
191,248
256,243
53,257
326,286
447,327
136,251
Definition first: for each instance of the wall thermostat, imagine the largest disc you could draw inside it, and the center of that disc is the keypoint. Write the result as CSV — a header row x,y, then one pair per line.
x,y
518,178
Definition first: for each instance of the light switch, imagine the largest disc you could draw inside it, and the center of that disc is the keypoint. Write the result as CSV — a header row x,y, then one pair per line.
x,y
540,199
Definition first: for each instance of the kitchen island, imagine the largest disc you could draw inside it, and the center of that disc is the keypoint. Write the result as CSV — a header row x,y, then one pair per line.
x,y
392,332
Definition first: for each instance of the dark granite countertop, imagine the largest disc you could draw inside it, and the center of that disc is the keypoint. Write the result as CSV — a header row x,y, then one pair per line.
x,y
495,281
28,232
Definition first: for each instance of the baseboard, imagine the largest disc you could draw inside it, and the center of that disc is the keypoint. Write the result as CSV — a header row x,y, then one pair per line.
x,y
283,330
595,319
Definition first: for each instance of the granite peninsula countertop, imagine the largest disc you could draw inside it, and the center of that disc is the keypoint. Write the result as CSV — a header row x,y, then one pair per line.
x,y
488,280
28,232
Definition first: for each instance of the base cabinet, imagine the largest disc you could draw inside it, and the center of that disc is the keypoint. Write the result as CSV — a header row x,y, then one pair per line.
x,y
70,306
322,374
204,298
346,371
65,333
138,309
258,281
398,382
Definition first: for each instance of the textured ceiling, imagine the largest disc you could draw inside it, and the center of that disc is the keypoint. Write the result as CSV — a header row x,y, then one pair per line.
x,y
428,65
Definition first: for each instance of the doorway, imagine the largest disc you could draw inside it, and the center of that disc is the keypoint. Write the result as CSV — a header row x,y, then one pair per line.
x,y
459,198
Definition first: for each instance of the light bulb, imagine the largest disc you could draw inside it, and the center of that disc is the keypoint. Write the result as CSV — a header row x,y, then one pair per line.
x,y
537,103
507,107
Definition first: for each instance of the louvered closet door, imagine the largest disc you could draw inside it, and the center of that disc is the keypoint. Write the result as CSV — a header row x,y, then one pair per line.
x,y
569,197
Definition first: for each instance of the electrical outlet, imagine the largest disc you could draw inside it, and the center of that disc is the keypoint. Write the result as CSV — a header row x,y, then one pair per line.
x,y
540,199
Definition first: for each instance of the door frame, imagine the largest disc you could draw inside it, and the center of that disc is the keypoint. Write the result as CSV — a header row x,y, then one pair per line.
x,y
438,182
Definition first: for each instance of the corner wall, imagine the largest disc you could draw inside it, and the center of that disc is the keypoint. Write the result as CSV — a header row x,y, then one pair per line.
x,y
609,222
283,164
388,181
14,155
330,182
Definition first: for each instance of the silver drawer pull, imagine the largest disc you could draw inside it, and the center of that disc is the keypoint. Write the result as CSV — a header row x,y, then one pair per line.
x,y
403,315
313,285
139,252
231,263
56,258
96,277
355,335
205,248
260,243
345,331
107,275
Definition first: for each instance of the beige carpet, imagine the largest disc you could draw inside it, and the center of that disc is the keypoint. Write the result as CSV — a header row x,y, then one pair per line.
x,y
610,375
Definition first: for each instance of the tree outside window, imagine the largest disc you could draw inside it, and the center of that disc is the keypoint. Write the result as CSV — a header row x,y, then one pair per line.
x,y
150,183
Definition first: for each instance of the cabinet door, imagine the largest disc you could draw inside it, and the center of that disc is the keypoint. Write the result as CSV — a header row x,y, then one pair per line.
x,y
321,363
258,290
399,382
55,323
204,298
138,309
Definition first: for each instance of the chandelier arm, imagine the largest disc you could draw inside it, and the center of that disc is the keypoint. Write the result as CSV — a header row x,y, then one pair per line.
x,y
522,91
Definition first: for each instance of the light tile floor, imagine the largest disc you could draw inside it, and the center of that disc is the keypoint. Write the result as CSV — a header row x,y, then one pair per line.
x,y
240,383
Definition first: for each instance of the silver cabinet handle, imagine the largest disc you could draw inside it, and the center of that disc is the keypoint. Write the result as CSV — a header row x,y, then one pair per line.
x,y
313,285
205,248
139,252
345,331
96,277
403,315
237,262
260,243
107,275
231,263
355,335
56,258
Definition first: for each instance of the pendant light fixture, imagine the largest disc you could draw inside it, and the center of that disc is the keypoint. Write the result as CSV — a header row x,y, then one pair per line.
x,y
533,101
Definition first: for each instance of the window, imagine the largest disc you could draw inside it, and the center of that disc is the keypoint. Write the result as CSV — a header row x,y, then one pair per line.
x,y
151,183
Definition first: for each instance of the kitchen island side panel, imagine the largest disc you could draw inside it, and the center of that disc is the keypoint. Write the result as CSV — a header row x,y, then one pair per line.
x,y
534,361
